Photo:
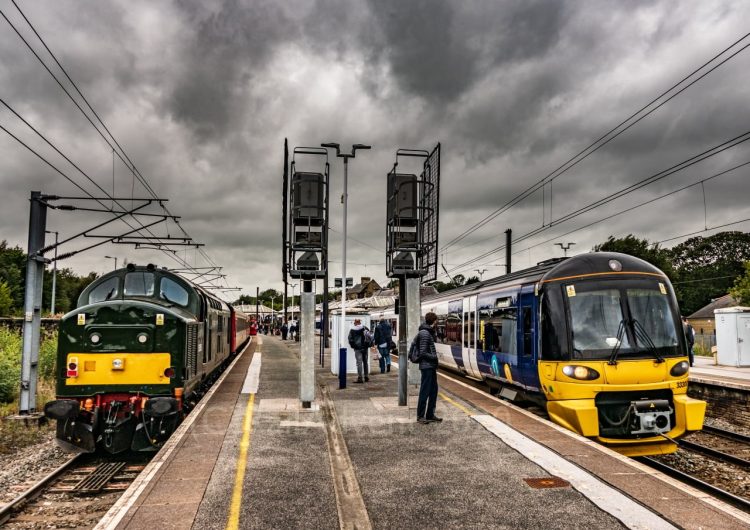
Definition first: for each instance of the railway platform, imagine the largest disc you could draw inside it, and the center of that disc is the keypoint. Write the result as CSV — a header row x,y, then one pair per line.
x,y
251,457
705,371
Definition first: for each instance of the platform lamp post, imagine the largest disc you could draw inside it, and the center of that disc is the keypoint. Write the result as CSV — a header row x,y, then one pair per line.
x,y
346,157
54,274
565,247
294,287
114,258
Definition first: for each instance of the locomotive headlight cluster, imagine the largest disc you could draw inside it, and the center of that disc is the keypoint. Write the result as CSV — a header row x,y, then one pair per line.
x,y
681,368
142,338
584,373
95,338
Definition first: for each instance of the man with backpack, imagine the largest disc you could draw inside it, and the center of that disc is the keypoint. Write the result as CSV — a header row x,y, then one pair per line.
x,y
360,341
383,337
426,355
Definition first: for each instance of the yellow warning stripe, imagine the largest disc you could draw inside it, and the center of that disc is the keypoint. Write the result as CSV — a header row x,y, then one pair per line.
x,y
456,404
247,426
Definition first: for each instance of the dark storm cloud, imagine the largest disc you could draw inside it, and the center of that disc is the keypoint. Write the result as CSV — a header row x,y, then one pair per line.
x,y
439,49
230,47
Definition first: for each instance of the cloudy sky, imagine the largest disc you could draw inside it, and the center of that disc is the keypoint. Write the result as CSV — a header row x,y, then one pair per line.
x,y
200,95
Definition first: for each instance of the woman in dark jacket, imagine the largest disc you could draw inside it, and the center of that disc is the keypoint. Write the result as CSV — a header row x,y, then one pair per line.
x,y
428,363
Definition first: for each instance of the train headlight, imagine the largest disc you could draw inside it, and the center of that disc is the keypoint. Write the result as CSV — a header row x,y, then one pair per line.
x,y
681,368
95,338
584,373
615,265
142,338
118,364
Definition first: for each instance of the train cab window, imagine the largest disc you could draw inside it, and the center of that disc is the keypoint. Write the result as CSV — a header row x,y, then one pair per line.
x,y
173,292
595,318
106,290
139,284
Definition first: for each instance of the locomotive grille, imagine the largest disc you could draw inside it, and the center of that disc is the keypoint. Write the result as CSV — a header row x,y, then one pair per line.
x,y
191,345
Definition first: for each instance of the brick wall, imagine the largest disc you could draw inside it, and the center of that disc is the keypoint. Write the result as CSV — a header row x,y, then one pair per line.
x,y
729,404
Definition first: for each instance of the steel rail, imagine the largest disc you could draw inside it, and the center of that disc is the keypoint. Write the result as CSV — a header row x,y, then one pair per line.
x,y
738,502
710,451
7,511
726,434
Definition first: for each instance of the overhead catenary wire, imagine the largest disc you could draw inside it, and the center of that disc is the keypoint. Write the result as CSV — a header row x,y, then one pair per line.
x,y
604,139
119,151
713,151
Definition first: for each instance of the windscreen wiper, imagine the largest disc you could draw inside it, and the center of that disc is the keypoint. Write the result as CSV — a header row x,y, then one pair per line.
x,y
616,348
642,335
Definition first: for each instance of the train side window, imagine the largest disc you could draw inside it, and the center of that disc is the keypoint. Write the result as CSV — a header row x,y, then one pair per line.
x,y
106,290
527,331
173,292
498,329
139,284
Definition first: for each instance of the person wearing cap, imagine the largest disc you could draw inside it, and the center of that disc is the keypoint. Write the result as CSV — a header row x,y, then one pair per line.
x,y
359,343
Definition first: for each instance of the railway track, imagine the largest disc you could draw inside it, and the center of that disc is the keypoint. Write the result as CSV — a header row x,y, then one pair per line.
x,y
729,498
77,493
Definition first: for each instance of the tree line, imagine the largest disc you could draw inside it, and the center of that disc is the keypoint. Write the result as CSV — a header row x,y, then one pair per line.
x,y
13,283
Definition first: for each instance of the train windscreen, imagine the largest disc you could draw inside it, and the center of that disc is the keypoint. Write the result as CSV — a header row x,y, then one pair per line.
x,y
621,319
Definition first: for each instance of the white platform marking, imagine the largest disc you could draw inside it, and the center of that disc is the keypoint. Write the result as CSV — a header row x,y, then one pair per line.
x,y
252,380
615,503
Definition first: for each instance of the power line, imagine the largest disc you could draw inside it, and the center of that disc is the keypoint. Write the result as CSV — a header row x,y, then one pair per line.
x,y
603,140
622,192
126,160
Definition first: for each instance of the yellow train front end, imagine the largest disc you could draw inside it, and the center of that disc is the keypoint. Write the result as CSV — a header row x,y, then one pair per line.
x,y
613,364
637,407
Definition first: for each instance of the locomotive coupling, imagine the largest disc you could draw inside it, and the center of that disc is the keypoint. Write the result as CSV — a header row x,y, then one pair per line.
x,y
653,416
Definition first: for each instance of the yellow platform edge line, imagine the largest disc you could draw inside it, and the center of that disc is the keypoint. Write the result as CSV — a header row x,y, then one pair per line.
x,y
456,404
233,523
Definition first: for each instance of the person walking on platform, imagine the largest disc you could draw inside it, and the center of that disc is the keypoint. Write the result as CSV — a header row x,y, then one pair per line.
x,y
359,343
284,330
383,337
690,337
428,363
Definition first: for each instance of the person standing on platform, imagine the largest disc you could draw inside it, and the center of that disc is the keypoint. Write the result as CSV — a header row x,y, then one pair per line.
x,y
428,363
690,337
383,337
359,343
284,330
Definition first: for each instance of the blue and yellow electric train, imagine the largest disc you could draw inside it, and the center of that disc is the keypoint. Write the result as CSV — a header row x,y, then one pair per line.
x,y
595,339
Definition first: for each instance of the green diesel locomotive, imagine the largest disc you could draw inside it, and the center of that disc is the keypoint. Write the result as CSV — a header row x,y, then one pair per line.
x,y
135,355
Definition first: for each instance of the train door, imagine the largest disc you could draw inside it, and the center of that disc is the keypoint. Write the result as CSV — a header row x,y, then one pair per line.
x,y
470,337
527,337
